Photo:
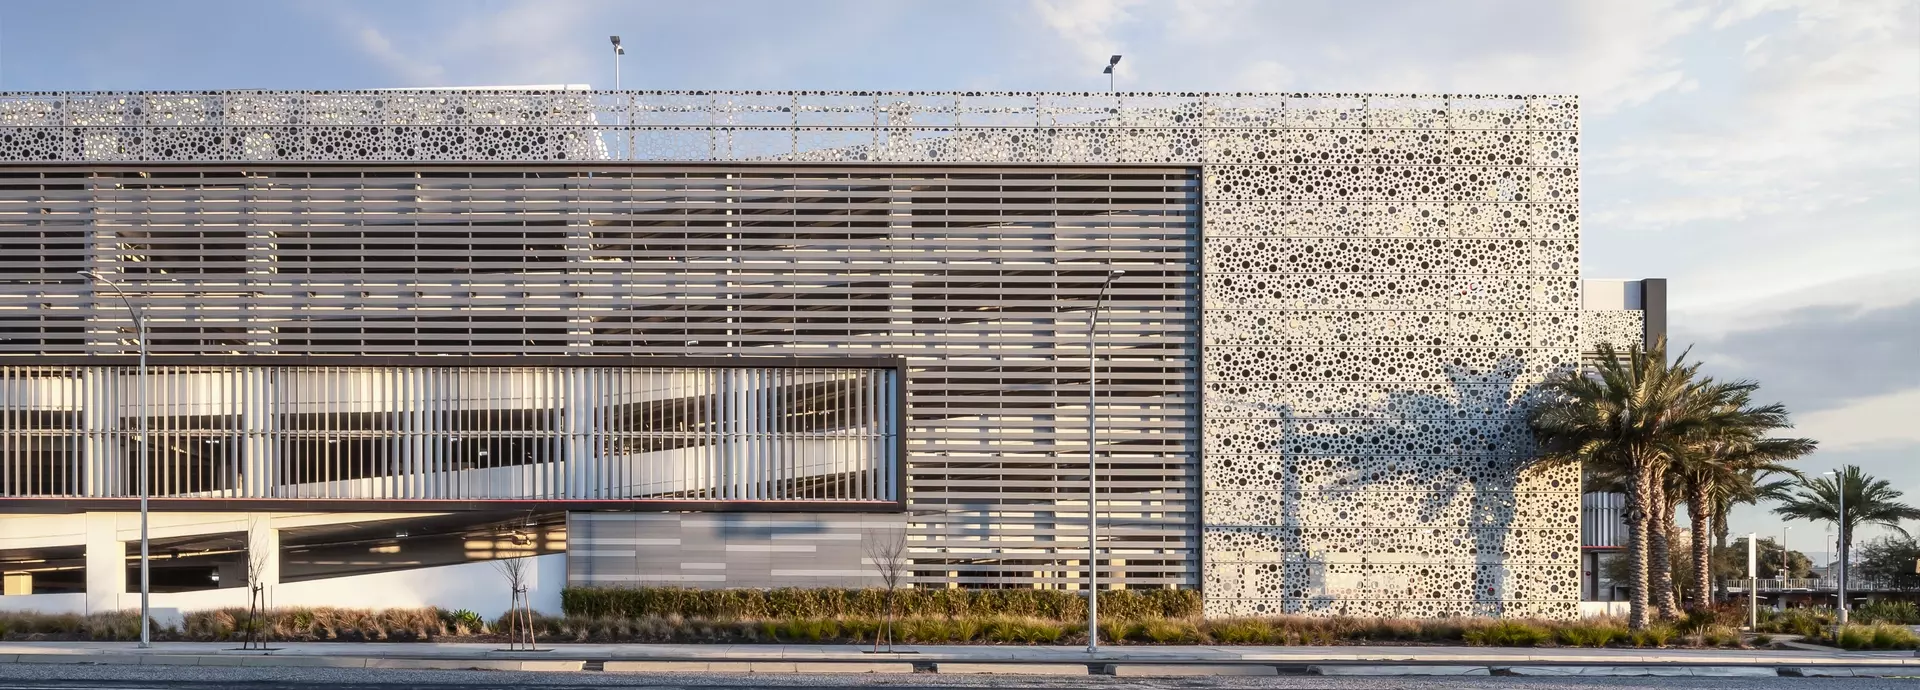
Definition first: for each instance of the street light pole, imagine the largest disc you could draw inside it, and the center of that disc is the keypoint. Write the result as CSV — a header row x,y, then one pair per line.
x,y
1093,476
1753,582
146,455
1840,586
1115,60
1785,566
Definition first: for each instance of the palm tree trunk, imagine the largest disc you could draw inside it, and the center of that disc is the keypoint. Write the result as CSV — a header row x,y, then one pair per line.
x,y
1700,512
1638,502
1659,551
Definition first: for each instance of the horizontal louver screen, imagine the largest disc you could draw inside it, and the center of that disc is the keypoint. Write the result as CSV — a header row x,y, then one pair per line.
x,y
982,277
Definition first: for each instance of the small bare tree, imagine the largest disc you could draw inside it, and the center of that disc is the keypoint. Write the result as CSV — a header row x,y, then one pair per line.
x,y
888,552
255,637
520,608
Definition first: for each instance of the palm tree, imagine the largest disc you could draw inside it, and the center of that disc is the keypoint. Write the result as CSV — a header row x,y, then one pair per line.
x,y
1726,460
1626,417
1870,501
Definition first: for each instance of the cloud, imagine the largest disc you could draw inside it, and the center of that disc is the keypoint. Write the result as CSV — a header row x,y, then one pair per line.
x,y
1614,54
1088,27
1825,357
1880,421
409,69
1673,211
516,43
1269,75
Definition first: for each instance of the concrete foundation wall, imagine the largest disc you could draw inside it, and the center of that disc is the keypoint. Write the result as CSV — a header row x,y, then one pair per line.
x,y
478,587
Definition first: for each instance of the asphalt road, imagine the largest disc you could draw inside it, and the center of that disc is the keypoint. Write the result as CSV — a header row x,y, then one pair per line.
x,y
66,676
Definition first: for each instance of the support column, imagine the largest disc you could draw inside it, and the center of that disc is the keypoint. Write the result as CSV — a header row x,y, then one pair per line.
x,y
737,421
256,423
98,410
106,563
578,414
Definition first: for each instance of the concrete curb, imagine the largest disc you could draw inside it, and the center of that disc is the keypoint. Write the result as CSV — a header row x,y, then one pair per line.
x,y
1038,668
1421,670
1167,670
1662,671
1864,672
453,664
756,667
1015,661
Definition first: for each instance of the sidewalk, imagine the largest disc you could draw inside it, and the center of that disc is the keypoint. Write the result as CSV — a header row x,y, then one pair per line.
x,y
125,652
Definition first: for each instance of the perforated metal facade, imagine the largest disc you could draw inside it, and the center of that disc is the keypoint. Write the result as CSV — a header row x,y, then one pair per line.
x,y
1360,288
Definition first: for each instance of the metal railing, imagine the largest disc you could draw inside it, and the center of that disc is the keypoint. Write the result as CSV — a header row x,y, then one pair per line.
x,y
1815,584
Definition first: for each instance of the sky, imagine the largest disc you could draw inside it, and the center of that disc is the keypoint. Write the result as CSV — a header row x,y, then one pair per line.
x,y
1762,155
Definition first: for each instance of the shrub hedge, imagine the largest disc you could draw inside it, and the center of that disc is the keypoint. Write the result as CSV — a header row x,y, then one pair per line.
x,y
1874,636
1045,604
402,625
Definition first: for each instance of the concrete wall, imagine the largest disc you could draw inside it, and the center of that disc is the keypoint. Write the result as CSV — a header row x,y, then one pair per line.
x,y
45,603
478,587
723,550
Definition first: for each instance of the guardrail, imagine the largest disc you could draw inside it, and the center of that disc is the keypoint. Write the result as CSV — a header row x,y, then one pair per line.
x,y
1814,584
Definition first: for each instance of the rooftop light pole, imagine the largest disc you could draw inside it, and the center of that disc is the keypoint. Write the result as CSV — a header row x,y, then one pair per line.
x,y
146,455
1093,476
621,101
618,51
1115,60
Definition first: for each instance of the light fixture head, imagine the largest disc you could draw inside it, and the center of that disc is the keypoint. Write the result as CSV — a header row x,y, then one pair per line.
x,y
1117,272
617,50
615,39
1108,70
1115,60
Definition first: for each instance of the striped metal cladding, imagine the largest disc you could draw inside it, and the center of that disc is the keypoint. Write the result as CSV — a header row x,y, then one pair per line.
x,y
1603,521
980,276
452,433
